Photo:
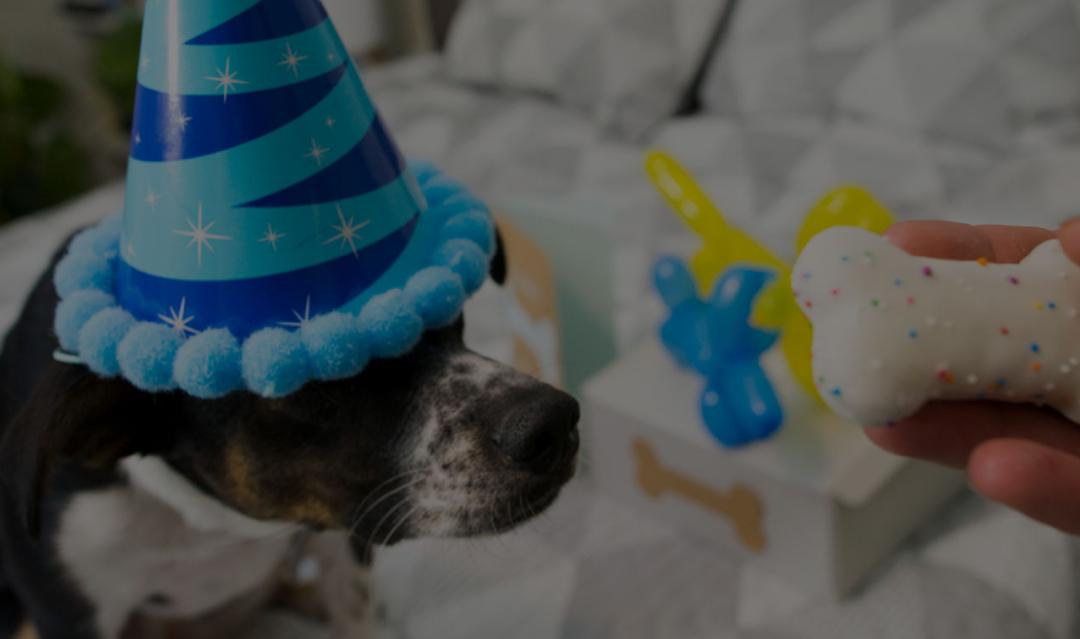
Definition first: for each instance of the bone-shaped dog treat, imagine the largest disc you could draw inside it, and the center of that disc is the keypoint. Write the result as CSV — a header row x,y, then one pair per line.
x,y
741,506
893,331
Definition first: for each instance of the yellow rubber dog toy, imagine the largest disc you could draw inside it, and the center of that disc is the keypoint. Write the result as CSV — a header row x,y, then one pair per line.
x,y
725,246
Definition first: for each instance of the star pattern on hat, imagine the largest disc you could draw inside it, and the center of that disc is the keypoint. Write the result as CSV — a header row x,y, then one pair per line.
x,y
179,320
181,120
317,152
301,320
226,79
200,235
347,231
292,59
272,237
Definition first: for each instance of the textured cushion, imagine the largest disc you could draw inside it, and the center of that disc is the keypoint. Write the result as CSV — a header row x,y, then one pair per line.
x,y
980,71
628,62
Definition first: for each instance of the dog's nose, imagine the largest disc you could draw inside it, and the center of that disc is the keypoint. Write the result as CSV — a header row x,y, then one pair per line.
x,y
539,429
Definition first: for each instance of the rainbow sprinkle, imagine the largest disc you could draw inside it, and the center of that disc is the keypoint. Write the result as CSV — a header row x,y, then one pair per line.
x,y
927,271
983,262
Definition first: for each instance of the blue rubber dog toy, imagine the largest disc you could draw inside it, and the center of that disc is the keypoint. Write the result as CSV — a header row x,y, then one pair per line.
x,y
715,338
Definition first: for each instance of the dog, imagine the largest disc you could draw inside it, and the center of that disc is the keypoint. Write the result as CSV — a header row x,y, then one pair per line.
x,y
120,506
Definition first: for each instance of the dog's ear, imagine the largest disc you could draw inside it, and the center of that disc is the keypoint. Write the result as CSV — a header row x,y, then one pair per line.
x,y
75,415
499,269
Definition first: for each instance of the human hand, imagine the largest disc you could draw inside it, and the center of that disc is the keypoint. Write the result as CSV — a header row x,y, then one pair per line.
x,y
1025,457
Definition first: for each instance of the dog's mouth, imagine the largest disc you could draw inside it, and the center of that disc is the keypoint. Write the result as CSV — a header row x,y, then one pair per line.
x,y
460,506
526,507
504,513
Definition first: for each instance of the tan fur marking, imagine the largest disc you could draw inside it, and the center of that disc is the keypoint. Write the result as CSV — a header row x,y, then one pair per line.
x,y
309,509
238,474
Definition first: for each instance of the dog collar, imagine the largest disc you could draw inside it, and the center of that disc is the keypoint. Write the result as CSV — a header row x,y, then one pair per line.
x,y
65,357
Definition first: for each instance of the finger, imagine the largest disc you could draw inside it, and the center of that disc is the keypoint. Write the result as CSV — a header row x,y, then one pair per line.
x,y
1070,239
954,241
943,240
1040,482
1013,243
948,432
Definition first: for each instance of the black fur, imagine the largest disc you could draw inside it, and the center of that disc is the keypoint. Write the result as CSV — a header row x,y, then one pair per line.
x,y
26,368
11,613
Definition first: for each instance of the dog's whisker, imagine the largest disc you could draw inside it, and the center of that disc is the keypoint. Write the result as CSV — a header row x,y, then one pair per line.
x,y
526,509
374,493
391,493
400,523
400,476
494,524
388,517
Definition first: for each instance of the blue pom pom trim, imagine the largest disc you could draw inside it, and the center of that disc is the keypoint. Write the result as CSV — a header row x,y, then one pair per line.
x,y
273,362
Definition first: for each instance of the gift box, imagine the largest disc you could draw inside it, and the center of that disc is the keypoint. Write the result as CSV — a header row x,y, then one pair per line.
x,y
572,246
817,505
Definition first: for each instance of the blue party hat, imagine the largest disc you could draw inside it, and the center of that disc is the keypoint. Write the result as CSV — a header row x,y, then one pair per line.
x,y
264,196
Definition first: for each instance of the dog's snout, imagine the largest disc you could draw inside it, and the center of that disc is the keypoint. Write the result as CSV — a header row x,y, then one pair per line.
x,y
539,429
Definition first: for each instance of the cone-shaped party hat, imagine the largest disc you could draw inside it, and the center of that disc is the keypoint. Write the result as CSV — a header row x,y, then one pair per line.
x,y
264,193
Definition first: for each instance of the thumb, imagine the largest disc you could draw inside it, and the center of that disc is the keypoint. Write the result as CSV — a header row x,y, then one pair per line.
x,y
1069,234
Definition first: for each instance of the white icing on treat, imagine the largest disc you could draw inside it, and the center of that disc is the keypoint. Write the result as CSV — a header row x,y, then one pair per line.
x,y
893,331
